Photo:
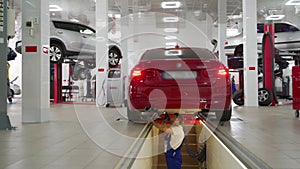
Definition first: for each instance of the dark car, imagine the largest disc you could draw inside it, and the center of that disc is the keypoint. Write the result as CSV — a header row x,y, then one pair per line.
x,y
180,79
287,38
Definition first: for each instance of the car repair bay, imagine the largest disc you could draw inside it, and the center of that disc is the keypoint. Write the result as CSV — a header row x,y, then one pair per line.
x,y
74,137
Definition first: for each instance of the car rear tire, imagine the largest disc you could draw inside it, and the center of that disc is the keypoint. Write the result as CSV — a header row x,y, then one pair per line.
x,y
238,97
225,115
114,57
12,93
204,113
133,116
265,97
297,113
57,53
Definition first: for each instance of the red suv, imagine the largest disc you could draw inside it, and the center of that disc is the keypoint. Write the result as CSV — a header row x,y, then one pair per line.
x,y
179,80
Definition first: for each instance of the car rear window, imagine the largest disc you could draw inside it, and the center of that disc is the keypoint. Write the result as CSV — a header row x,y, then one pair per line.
x,y
181,53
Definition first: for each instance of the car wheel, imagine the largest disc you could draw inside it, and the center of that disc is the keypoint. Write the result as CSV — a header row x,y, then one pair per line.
x,y
238,97
114,57
260,70
265,97
277,69
56,53
297,113
224,116
82,74
90,64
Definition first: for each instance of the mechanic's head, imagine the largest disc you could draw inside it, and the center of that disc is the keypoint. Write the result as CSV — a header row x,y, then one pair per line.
x,y
176,119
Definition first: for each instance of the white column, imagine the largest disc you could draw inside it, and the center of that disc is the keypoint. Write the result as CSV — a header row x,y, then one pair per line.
x,y
4,119
124,42
35,61
250,52
3,60
101,52
209,30
222,15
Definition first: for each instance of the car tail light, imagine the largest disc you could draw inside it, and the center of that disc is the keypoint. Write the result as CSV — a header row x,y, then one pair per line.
x,y
136,73
223,71
226,42
150,73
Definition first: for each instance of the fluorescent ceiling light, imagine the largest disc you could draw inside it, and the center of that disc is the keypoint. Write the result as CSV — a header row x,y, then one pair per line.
x,y
55,8
170,37
197,13
235,16
171,19
275,17
74,20
293,2
170,4
118,16
170,30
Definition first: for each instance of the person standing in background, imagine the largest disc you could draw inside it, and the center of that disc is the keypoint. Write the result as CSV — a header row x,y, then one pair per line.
x,y
9,94
233,88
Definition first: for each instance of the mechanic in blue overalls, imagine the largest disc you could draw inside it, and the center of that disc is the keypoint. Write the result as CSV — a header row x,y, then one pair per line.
x,y
173,140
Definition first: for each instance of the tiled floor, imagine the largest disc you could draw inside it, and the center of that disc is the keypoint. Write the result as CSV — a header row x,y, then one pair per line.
x,y
271,133
88,137
76,137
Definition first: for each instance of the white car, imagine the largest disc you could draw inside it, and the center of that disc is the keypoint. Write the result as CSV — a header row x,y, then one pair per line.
x,y
287,38
74,40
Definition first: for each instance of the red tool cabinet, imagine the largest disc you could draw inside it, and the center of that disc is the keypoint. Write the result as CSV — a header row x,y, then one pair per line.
x,y
296,89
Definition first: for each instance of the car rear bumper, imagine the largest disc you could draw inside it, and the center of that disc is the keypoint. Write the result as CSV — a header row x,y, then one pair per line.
x,y
218,102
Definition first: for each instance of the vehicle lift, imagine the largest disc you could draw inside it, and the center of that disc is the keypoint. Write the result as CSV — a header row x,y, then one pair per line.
x,y
56,82
269,56
56,88
60,93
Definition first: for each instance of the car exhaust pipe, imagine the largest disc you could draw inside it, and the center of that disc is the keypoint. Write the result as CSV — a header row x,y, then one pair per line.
x,y
150,108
